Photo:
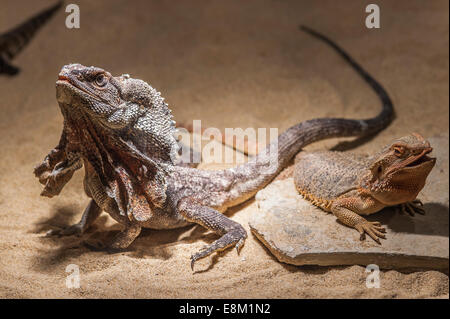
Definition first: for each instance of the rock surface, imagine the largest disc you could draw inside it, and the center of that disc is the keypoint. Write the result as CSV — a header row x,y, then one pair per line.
x,y
298,233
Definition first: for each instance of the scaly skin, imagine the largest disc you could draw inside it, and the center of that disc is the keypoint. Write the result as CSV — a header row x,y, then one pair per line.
x,y
13,41
350,185
121,130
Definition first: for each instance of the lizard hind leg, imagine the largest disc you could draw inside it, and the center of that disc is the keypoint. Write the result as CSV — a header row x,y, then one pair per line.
x,y
232,233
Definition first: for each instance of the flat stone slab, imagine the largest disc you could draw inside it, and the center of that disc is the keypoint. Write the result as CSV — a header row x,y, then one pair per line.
x,y
298,233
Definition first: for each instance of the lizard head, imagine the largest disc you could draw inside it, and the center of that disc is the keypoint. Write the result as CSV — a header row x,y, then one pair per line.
x,y
398,173
90,88
128,108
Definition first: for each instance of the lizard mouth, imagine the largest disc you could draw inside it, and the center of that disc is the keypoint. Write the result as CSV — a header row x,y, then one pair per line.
x,y
414,162
65,81
418,160
63,78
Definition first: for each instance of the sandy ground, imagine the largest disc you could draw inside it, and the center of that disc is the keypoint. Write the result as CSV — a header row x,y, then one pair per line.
x,y
230,64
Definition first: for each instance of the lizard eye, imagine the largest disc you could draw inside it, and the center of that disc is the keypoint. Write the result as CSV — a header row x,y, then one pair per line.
x,y
379,169
398,150
101,80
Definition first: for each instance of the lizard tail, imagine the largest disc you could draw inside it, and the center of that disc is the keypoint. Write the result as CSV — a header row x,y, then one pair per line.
x,y
261,169
384,118
12,42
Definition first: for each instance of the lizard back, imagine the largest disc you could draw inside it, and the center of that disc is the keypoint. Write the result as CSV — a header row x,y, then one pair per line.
x,y
323,176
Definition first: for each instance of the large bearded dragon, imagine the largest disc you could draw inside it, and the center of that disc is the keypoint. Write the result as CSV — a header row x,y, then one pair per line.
x,y
121,131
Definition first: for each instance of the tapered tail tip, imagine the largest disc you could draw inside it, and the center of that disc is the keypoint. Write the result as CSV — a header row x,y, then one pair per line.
x,y
304,28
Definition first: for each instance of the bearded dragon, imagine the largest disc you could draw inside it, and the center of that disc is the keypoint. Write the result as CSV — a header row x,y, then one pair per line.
x,y
13,41
121,131
350,185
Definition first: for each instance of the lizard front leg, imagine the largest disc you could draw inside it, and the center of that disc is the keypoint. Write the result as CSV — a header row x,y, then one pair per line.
x,y
55,180
121,241
231,232
57,168
56,155
90,214
43,170
344,208
124,238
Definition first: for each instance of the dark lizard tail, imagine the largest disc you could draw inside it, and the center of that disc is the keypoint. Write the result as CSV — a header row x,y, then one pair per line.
x,y
384,118
13,41
261,169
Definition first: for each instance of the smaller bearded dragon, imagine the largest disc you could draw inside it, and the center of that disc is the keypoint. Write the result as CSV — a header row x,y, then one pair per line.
x,y
350,185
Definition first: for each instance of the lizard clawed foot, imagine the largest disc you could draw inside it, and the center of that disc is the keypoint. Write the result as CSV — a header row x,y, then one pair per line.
x,y
373,229
235,237
412,207
95,245
115,250
74,230
200,254
99,245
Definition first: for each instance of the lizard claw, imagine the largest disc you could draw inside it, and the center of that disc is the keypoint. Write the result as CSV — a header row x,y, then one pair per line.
x,y
199,255
239,245
75,229
42,171
373,229
413,207
418,202
114,250
95,245
237,236
192,262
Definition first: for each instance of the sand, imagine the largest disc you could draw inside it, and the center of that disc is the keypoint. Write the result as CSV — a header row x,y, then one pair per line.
x,y
230,64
